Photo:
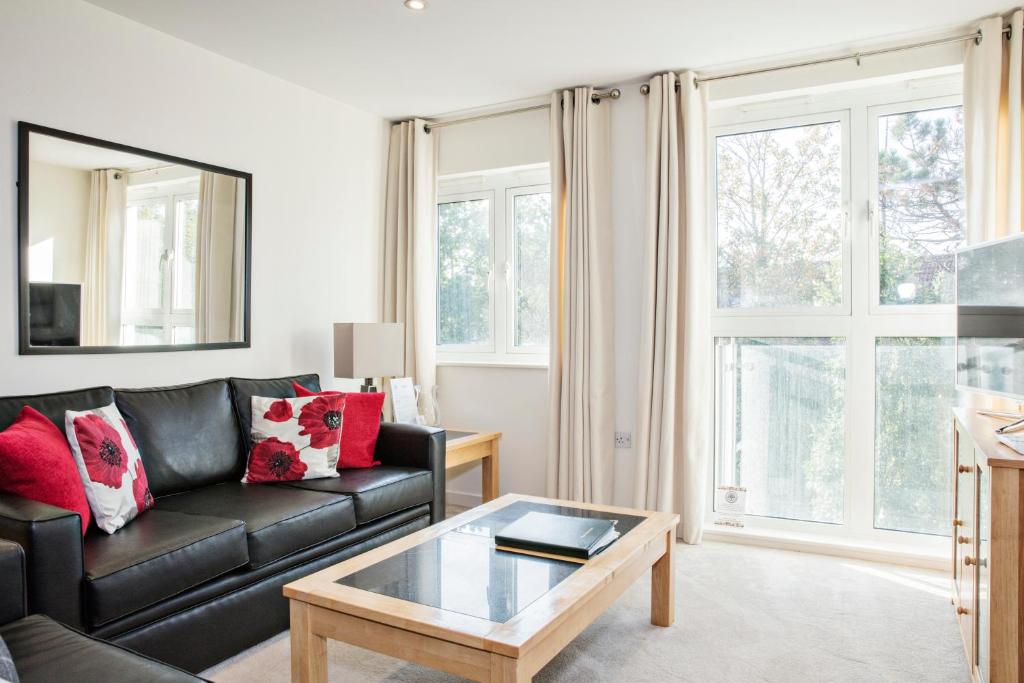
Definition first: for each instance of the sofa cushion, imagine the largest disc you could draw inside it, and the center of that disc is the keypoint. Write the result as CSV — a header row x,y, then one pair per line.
x,y
44,650
159,555
377,491
54,405
242,390
278,520
188,435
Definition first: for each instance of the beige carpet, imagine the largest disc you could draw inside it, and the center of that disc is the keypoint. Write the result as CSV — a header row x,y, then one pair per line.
x,y
743,614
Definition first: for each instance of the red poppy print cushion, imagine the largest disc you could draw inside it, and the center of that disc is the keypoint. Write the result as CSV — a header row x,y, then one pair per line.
x,y
109,464
294,438
362,425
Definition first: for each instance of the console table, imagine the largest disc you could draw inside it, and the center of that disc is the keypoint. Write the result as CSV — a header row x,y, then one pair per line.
x,y
464,446
988,548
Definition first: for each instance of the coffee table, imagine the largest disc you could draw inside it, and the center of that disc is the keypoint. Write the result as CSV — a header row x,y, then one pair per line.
x,y
445,598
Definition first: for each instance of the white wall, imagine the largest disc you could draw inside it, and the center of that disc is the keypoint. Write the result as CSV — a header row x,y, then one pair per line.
x,y
59,205
316,168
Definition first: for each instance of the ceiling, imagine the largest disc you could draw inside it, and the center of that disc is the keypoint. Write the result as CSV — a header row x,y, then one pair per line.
x,y
83,157
461,54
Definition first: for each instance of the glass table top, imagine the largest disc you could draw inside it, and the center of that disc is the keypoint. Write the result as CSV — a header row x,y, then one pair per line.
x,y
461,570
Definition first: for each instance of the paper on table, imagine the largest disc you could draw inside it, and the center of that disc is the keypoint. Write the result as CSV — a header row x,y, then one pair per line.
x,y
403,400
1014,441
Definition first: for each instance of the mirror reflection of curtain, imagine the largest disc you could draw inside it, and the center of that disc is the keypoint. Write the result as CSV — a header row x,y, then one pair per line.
x,y
220,259
101,296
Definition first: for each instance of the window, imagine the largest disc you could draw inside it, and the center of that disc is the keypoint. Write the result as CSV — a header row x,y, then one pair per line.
x,y
780,217
493,236
158,293
834,223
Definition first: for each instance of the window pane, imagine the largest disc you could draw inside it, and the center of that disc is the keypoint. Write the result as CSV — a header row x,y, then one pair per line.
x,y
914,391
144,247
464,268
532,256
141,335
920,204
781,417
183,335
185,219
780,217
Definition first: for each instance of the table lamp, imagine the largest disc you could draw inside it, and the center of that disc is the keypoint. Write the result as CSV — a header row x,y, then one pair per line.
x,y
369,350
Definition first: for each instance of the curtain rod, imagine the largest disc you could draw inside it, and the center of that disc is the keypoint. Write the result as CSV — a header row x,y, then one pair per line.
x,y
596,98
857,56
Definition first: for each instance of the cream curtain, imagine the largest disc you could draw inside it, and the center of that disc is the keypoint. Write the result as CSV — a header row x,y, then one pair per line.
x,y
104,256
993,77
674,394
220,245
581,423
409,245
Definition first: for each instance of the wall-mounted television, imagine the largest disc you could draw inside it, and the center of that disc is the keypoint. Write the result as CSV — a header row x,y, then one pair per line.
x,y
990,317
55,314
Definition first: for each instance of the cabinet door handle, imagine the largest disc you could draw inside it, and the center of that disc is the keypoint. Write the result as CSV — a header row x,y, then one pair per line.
x,y
962,610
963,469
963,540
958,522
970,561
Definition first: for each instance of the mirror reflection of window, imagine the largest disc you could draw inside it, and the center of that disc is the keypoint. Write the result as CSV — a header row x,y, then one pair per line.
x,y
158,289
125,249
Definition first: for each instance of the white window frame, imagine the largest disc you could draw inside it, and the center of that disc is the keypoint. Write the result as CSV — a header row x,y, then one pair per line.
x,y
500,187
843,118
863,320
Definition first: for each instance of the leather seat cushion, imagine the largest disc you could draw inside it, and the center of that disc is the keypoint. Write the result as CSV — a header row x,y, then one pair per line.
x,y
377,491
160,554
44,650
188,435
278,520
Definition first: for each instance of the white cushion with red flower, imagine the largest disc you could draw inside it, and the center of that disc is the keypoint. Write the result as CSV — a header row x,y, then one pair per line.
x,y
109,464
294,438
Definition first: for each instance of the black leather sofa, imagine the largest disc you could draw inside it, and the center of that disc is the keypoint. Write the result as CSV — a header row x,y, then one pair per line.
x,y
44,650
198,578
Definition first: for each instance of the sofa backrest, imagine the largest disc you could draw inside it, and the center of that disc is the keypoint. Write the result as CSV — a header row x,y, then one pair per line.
x,y
54,405
244,389
187,435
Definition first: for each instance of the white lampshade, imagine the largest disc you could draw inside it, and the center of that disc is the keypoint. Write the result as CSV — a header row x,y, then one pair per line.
x,y
369,350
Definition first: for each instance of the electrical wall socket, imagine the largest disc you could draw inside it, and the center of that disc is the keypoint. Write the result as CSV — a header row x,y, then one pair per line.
x,y
623,439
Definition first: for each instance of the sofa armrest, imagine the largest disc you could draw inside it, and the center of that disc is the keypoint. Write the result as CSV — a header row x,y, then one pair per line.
x,y
13,601
415,446
51,538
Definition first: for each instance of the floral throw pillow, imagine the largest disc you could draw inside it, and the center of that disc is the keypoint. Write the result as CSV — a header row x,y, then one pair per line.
x,y
109,464
294,438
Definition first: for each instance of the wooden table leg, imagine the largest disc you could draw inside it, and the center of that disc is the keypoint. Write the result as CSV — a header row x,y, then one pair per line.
x,y
309,650
507,670
663,585
491,474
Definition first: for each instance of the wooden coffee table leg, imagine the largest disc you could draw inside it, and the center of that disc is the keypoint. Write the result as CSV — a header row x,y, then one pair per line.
x,y
507,670
491,474
663,592
309,651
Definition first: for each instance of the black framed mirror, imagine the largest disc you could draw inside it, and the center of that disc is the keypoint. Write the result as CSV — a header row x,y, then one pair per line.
x,y
125,250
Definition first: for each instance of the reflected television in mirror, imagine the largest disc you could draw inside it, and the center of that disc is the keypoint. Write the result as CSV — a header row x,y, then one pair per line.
x,y
990,317
123,249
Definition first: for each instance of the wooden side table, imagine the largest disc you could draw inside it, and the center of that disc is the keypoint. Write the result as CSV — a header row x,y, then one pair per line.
x,y
464,446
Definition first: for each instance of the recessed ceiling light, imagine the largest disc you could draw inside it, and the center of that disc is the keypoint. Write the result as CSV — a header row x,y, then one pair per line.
x,y
416,5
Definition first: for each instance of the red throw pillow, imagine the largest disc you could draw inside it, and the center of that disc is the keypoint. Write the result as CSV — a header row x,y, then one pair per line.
x,y
360,425
36,463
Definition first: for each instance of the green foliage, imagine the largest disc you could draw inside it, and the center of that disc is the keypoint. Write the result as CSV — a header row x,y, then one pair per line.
x,y
464,267
532,245
780,221
920,203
